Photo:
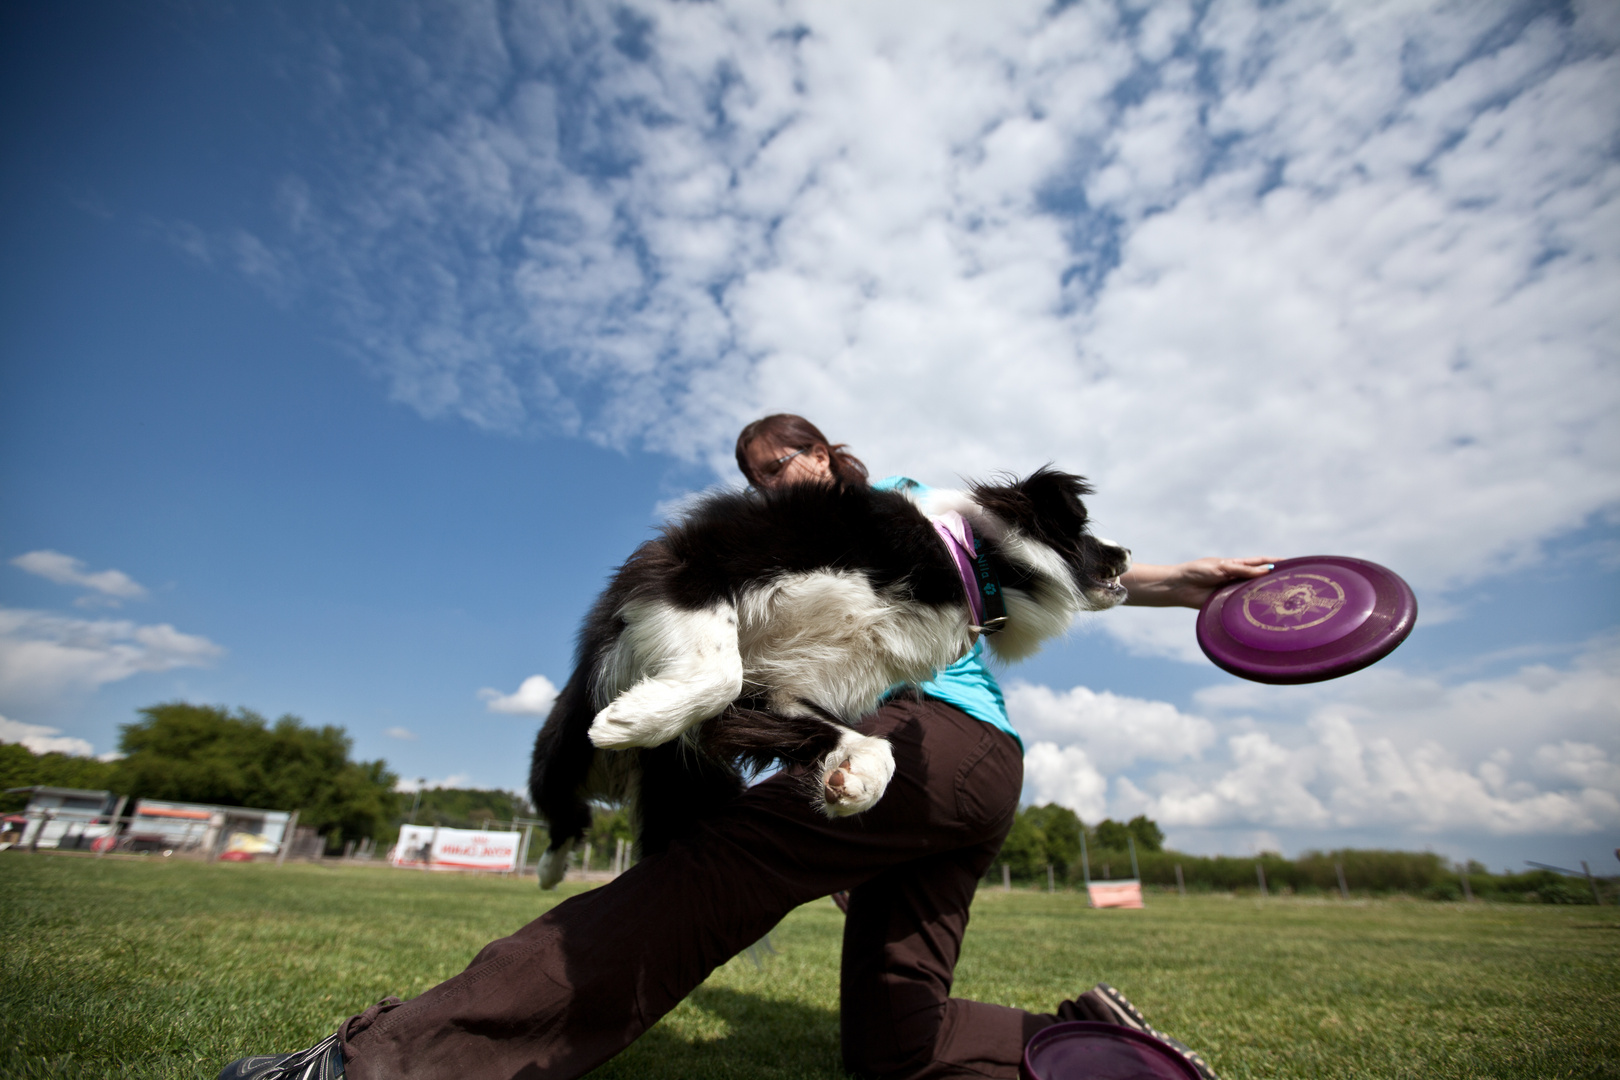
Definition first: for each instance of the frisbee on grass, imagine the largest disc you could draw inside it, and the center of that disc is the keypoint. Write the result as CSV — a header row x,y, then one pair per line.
x,y
1310,619
1087,1050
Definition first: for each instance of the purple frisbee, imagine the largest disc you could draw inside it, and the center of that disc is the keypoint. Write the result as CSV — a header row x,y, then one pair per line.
x,y
1086,1050
1308,620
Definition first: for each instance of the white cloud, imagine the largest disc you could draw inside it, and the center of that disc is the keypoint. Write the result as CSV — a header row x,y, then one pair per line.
x,y
1116,731
1533,752
63,569
1342,779
532,698
1344,284
404,734
1537,705
1066,776
454,780
44,657
43,740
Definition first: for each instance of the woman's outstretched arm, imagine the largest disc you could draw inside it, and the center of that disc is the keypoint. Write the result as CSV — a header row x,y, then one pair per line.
x,y
1187,584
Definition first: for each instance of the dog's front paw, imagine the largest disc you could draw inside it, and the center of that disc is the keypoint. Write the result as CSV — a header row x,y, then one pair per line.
x,y
854,776
614,729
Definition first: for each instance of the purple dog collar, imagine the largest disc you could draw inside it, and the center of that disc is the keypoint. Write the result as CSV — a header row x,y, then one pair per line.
x,y
958,536
979,578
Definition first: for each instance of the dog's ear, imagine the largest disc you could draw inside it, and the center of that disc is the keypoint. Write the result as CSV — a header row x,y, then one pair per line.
x,y
1055,496
1045,505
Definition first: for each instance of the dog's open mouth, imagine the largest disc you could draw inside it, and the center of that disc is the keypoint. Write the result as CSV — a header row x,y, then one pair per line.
x,y
1109,588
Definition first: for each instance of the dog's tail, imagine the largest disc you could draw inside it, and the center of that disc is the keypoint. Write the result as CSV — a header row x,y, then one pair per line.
x,y
562,762
757,738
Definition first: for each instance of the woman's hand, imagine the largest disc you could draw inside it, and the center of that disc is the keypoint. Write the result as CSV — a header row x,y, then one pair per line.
x,y
1187,584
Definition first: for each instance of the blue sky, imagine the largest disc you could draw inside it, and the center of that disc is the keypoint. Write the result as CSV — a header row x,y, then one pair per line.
x,y
343,353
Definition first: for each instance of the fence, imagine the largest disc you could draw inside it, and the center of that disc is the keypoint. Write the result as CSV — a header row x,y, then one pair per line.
x,y
1343,874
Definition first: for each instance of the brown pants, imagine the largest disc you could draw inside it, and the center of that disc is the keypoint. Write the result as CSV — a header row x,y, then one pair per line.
x,y
583,981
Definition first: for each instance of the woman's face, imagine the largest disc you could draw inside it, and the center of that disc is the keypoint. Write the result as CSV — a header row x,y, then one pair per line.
x,y
765,458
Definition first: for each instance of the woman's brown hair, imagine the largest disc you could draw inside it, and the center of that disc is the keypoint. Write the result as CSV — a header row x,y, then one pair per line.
x,y
796,433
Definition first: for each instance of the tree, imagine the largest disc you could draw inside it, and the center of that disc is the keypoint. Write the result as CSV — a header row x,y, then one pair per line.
x,y
1042,836
21,767
204,753
1061,828
1111,835
608,825
1149,837
463,808
1024,850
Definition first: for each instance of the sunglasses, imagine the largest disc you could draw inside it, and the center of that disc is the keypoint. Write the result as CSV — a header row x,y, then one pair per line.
x,y
772,469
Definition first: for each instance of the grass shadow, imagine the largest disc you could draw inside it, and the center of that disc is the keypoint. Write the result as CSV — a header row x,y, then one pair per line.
x,y
721,1033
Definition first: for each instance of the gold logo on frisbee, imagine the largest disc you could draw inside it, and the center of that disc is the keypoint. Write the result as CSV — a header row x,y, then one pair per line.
x,y
1289,603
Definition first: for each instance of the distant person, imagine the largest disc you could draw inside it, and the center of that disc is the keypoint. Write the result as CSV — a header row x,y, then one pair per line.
x,y
579,984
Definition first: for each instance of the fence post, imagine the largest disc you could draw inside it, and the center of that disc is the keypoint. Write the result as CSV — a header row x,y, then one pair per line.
x,y
45,818
1181,885
523,850
1344,890
287,837
1051,884
1468,888
1596,896
1260,871
1085,865
118,812
1131,842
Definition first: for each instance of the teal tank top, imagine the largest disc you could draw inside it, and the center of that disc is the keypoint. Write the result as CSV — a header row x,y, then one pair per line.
x,y
967,683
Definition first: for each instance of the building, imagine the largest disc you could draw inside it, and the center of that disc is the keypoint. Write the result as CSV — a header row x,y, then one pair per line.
x,y
75,818
65,817
199,827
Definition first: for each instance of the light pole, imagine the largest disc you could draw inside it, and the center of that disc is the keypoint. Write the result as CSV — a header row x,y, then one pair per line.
x,y
420,780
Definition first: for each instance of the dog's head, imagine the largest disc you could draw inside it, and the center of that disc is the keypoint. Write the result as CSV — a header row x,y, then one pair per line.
x,y
1052,567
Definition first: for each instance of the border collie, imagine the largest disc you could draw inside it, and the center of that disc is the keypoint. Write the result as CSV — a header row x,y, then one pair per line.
x,y
760,628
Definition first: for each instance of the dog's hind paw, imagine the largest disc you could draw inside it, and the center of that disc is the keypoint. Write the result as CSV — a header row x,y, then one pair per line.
x,y
854,776
554,864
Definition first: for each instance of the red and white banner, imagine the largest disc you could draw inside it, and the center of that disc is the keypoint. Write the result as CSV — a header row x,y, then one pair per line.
x,y
427,848
1127,894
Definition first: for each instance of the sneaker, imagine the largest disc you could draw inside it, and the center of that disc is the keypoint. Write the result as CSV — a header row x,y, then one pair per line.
x,y
1103,1002
323,1061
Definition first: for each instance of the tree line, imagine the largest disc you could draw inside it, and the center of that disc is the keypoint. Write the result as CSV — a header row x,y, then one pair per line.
x,y
1049,835
209,754
182,752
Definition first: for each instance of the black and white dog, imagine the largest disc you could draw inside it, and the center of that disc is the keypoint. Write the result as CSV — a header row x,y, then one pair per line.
x,y
763,625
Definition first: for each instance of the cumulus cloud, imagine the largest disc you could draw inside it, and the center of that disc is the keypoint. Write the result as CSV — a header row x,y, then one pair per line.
x,y
111,585
1342,779
1065,775
44,740
532,698
1533,752
1537,705
44,656
1285,281
1115,730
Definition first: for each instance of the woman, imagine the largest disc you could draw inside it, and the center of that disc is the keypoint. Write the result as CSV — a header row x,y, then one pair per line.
x,y
580,983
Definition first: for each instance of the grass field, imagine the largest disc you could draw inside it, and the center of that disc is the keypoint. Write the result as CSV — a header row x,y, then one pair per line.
x,y
159,968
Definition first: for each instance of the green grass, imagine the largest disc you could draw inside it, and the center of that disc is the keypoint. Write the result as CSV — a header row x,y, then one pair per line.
x,y
159,968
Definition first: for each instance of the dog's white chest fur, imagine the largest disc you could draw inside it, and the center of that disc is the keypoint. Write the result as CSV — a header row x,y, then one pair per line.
x,y
832,639
823,641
